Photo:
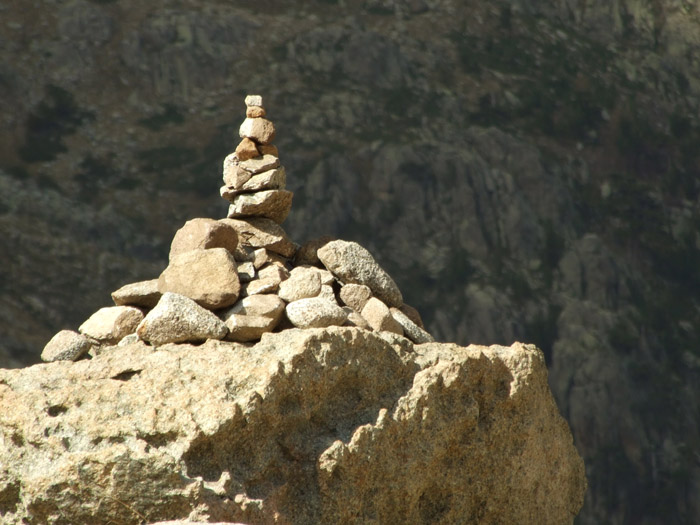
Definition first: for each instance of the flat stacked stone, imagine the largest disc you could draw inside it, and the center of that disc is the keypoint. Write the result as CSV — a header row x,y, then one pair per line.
x,y
254,180
240,277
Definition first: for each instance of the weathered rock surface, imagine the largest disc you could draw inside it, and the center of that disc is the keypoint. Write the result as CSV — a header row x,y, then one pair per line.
x,y
259,232
66,345
260,130
352,263
177,319
272,204
202,234
331,425
315,312
379,317
302,282
142,293
355,295
210,277
111,323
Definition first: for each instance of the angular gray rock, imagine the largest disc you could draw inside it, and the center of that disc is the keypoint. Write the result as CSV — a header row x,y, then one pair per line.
x,y
142,293
259,232
410,329
110,324
272,204
236,172
177,319
268,180
202,234
315,312
66,345
302,283
351,263
379,317
331,425
210,277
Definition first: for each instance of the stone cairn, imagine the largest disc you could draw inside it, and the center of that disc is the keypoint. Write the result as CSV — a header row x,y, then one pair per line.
x,y
239,277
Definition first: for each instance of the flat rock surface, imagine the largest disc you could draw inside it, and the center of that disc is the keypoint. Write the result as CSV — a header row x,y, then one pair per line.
x,y
210,277
352,263
142,293
271,204
177,319
334,425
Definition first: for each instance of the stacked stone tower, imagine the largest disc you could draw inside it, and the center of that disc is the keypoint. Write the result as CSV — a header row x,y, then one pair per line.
x,y
240,277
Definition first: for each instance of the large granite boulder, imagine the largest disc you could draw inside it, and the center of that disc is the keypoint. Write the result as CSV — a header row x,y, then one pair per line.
x,y
333,425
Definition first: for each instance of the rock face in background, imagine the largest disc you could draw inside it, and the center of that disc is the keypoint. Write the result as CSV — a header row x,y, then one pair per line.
x,y
329,425
530,170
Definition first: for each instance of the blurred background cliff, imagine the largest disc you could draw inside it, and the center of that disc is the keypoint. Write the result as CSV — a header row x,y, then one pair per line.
x,y
524,170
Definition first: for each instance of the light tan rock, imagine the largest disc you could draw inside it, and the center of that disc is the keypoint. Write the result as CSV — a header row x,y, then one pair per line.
x,y
302,282
366,430
178,319
379,317
247,149
261,305
253,101
274,272
315,312
209,277
262,257
252,316
110,324
271,204
261,130
271,179
410,329
355,296
237,172
66,345
327,293
259,232
202,234
142,293
351,263
255,112
260,286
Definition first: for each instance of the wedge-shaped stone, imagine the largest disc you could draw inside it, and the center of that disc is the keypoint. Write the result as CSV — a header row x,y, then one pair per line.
x,y
66,345
142,293
302,282
257,305
209,277
178,319
355,295
272,204
259,232
111,323
260,130
315,312
202,234
351,263
261,257
410,329
260,286
246,150
379,317
274,272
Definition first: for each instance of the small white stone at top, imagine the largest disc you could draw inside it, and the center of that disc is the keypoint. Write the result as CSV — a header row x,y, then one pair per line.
x,y
253,100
